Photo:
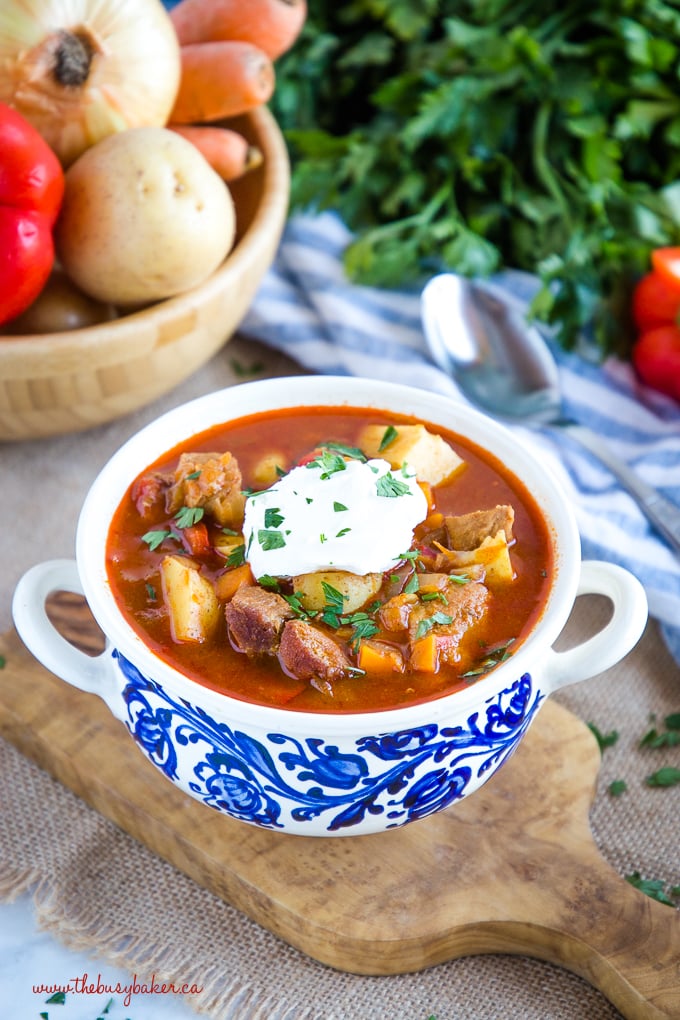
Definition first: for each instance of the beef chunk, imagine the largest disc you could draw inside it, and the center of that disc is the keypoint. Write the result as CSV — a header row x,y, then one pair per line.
x,y
464,606
305,652
255,618
217,486
468,531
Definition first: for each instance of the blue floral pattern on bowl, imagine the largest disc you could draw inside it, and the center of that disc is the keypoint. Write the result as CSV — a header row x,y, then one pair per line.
x,y
403,775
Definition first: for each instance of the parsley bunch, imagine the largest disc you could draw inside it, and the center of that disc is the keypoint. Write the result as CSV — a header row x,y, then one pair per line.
x,y
491,133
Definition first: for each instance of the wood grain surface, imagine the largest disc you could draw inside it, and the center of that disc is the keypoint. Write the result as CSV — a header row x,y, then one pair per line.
x,y
512,869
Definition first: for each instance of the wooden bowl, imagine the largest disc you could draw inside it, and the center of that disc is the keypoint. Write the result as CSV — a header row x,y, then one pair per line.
x,y
70,381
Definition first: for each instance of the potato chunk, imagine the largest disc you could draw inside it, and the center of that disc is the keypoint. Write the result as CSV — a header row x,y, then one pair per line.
x,y
356,589
428,455
482,538
193,606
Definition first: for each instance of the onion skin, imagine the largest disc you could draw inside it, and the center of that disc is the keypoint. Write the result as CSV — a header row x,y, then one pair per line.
x,y
128,74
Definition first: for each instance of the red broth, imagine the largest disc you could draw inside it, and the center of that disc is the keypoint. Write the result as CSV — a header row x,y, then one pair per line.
x,y
133,568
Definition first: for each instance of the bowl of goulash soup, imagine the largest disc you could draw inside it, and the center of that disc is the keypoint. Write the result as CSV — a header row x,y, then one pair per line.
x,y
330,606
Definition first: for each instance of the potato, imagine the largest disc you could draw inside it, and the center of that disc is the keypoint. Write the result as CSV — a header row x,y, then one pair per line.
x,y
269,468
144,217
190,598
356,588
492,554
428,455
59,307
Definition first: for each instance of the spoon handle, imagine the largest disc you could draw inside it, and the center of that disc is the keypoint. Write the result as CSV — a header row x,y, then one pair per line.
x,y
663,514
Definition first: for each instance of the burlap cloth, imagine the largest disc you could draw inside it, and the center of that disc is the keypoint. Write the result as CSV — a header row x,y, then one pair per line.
x,y
97,889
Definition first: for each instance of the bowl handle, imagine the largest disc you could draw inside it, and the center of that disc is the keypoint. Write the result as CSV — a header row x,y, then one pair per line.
x,y
89,673
616,639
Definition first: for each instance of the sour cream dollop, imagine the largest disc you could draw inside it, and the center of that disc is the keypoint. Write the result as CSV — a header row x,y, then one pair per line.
x,y
359,518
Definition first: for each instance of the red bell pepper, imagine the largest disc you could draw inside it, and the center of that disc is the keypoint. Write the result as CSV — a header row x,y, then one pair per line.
x,y
656,312
31,192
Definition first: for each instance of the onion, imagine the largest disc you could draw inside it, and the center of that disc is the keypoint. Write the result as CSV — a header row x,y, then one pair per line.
x,y
80,70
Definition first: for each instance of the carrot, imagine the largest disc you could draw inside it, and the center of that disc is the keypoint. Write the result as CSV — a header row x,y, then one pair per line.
x,y
196,539
376,657
221,79
271,25
228,583
425,654
228,152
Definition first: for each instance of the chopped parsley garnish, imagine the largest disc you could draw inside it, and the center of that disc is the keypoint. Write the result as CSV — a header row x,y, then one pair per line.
x,y
430,596
389,486
273,517
187,516
667,776
670,737
246,370
604,740
237,556
343,532
155,538
425,626
3,661
353,452
151,592
617,787
362,627
322,538
193,476
270,539
653,887
295,603
339,507
58,999
229,531
329,463
269,582
492,658
389,435
412,585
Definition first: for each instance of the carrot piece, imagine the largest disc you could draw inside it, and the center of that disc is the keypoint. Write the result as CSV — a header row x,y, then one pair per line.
x,y
228,583
425,654
196,539
376,657
221,79
228,152
272,25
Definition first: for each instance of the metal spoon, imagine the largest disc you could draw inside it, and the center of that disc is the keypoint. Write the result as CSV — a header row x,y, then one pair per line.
x,y
479,336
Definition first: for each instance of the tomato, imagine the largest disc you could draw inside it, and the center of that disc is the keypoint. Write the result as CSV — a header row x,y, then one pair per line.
x,y
656,357
656,301
31,191
666,262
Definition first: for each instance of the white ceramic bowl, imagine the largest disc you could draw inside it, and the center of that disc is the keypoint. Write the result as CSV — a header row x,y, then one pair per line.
x,y
312,773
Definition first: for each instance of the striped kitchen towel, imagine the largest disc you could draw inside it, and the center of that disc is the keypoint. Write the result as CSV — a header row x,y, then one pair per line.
x,y
307,308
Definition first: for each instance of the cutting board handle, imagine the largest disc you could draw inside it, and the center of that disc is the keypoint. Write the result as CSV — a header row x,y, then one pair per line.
x,y
615,640
88,673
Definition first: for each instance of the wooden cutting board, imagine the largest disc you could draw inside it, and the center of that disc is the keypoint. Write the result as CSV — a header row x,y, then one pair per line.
x,y
512,869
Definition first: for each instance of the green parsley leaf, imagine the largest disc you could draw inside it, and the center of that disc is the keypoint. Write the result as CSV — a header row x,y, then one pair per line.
x,y
187,516
338,507
494,656
155,538
389,435
58,999
229,531
425,626
3,661
652,887
193,476
603,740
362,627
617,787
353,452
335,600
44,1016
295,603
329,463
270,539
273,517
151,592
108,1006
673,721
343,532
412,585
667,776
243,371
389,486
236,557
269,582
